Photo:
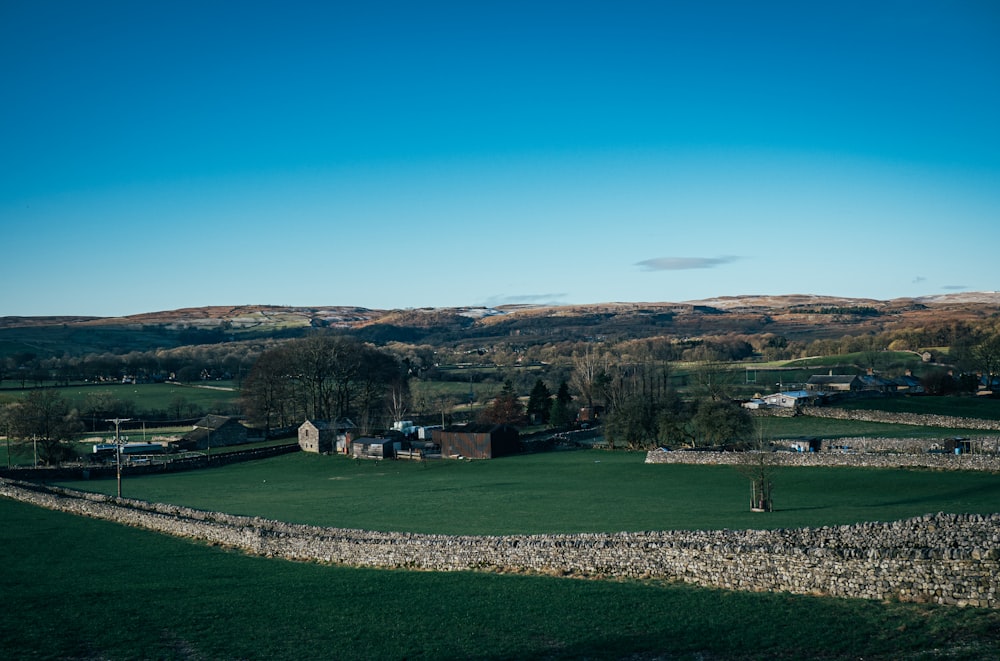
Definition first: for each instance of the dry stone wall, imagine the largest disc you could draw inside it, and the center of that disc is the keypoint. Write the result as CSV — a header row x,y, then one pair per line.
x,y
942,558
945,421
977,462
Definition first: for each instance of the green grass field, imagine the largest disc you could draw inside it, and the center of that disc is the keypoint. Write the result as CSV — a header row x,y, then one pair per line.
x,y
76,588
576,491
208,396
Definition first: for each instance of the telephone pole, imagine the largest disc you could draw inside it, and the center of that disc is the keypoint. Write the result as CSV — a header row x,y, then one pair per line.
x,y
118,449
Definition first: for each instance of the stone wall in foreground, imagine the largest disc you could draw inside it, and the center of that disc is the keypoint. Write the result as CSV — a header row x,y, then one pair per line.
x,y
943,558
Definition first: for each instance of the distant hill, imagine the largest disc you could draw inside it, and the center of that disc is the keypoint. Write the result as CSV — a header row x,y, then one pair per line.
x,y
803,317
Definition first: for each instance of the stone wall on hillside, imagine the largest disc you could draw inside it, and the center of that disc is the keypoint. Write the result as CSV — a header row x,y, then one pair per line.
x,y
923,420
948,559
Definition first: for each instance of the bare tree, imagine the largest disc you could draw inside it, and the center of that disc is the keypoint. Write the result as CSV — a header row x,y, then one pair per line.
x,y
323,377
588,369
46,419
399,401
712,380
268,394
757,463
986,357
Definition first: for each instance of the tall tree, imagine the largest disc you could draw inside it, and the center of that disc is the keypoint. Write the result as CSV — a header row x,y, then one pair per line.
x,y
539,402
322,377
562,413
589,368
505,409
632,422
718,421
45,418
376,374
673,420
986,358
268,393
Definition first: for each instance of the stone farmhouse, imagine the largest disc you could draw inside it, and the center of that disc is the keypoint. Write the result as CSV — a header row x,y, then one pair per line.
x,y
323,436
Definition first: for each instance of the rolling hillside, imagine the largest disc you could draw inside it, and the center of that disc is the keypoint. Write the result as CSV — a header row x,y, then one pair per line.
x,y
801,317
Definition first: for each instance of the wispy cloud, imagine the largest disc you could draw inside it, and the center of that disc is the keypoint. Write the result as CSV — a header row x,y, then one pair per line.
x,y
917,280
684,263
532,299
955,287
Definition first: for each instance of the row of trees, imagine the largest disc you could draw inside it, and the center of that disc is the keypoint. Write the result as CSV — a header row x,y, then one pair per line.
x,y
640,407
542,408
187,363
325,377
45,419
643,409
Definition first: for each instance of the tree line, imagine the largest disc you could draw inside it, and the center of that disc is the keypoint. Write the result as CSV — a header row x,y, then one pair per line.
x,y
325,377
628,384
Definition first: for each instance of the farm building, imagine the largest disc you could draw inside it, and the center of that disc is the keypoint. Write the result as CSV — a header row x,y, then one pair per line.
x,y
834,383
324,435
872,381
908,384
375,448
789,399
214,431
477,441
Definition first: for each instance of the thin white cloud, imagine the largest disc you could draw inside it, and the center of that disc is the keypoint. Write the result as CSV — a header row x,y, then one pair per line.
x,y
533,299
684,263
917,280
955,287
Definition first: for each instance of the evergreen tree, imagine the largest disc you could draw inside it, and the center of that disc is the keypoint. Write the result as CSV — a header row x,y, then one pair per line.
x,y
561,414
539,403
505,409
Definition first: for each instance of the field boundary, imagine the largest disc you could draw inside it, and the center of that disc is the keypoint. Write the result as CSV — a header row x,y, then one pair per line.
x,y
940,558
170,464
847,458
900,418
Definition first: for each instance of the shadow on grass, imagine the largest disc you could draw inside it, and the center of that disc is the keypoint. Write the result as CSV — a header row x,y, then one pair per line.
x,y
957,495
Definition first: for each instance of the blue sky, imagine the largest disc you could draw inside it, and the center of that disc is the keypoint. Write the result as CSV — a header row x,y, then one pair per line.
x,y
399,154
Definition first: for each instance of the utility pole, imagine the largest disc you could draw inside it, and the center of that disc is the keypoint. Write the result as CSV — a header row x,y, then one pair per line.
x,y
118,449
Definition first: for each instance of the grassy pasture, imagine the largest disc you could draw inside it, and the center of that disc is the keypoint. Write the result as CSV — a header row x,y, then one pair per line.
x,y
578,491
210,396
80,588
860,358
